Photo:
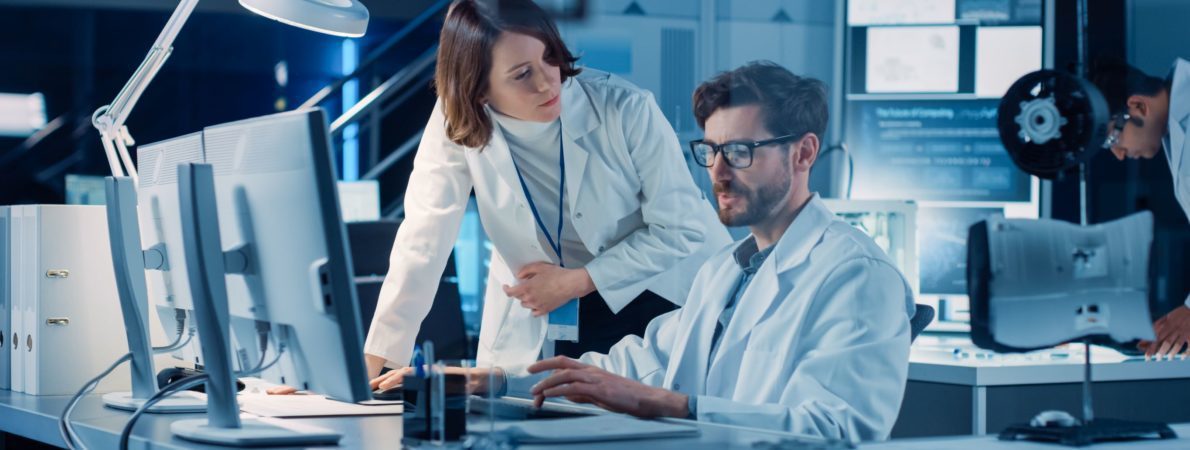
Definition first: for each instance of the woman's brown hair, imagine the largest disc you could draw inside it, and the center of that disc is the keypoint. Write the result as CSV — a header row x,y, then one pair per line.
x,y
465,59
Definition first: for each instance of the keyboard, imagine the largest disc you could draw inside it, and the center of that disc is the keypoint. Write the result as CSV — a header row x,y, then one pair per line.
x,y
507,409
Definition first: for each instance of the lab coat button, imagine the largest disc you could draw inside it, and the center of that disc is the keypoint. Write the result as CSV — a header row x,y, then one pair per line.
x,y
677,387
601,249
578,216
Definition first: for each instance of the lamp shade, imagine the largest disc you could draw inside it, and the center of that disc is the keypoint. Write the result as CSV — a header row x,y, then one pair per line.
x,y
346,18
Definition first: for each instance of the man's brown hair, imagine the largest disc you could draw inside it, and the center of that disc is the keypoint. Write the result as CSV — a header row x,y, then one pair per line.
x,y
465,59
790,104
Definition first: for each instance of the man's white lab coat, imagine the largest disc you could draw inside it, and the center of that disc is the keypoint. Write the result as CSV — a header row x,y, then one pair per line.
x,y
818,345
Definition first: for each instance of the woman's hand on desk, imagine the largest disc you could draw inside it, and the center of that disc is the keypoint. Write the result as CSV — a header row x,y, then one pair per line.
x,y
478,379
545,287
391,379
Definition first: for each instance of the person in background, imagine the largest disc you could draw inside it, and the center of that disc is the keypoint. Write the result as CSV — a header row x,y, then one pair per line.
x,y
1148,114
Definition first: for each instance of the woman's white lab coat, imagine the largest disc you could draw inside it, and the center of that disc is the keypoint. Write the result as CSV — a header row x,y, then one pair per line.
x,y
818,344
632,201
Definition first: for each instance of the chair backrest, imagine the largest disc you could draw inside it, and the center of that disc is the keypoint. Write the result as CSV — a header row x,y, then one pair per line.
x,y
371,244
922,316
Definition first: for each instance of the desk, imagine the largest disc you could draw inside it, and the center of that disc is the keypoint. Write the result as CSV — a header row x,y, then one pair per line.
x,y
991,443
981,393
36,418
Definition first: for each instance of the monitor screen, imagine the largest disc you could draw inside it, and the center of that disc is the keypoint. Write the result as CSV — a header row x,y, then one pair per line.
x,y
922,85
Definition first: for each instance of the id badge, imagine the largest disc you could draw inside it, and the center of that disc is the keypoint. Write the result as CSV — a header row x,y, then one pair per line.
x,y
563,323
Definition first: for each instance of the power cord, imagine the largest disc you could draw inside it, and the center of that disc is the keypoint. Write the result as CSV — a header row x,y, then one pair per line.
x,y
180,318
68,434
160,395
850,164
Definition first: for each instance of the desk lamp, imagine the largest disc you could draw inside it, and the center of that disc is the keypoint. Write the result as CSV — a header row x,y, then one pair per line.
x,y
345,18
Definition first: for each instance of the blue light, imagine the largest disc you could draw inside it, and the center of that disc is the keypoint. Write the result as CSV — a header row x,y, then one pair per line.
x,y
350,97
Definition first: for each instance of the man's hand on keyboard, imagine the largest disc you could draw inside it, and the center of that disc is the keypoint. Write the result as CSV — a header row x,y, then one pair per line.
x,y
582,383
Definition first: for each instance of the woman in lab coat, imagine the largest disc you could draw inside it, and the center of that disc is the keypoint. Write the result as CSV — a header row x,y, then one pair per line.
x,y
581,187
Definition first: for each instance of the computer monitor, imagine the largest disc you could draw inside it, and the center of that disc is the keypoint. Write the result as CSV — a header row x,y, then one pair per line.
x,y
161,228
275,187
892,224
266,243
921,83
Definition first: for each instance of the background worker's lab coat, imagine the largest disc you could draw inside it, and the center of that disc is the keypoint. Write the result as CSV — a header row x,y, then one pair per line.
x,y
632,201
1176,147
818,345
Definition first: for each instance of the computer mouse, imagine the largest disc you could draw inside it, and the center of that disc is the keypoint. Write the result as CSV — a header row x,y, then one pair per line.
x,y
391,394
1054,419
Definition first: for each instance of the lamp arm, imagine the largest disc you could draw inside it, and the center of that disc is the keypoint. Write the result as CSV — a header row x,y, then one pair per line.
x,y
109,119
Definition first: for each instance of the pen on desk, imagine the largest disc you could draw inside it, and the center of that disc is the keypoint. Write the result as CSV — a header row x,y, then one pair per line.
x,y
418,362
428,354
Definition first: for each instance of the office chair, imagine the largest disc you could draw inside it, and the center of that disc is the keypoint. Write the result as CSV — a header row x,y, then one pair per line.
x,y
922,316
371,244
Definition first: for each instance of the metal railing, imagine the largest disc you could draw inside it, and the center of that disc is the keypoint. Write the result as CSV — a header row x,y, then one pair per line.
x,y
376,55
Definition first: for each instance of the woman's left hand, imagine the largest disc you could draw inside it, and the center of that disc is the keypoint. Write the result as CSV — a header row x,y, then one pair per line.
x,y
545,287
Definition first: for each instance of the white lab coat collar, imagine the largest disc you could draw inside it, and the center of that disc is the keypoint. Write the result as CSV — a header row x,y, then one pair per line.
x,y
579,117
792,249
1179,111
1179,122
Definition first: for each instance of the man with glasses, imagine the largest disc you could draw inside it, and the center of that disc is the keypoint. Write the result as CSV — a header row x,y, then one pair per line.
x,y
1150,113
803,326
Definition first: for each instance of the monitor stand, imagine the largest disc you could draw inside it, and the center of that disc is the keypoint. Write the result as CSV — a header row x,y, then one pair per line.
x,y
129,265
1098,430
1092,430
205,269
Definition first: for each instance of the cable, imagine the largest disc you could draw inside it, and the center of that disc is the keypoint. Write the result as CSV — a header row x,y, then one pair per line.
x,y
68,435
180,317
160,395
850,164
263,331
262,366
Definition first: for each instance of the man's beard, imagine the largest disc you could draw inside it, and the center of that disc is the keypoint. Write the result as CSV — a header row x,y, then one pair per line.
x,y
758,204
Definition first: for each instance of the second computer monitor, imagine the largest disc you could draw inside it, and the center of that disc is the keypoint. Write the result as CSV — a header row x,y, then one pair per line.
x,y
288,262
161,230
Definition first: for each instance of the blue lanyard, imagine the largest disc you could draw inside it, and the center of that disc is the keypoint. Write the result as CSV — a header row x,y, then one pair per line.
x,y
555,245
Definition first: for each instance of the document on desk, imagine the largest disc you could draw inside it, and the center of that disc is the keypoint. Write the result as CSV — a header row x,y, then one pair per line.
x,y
600,428
308,405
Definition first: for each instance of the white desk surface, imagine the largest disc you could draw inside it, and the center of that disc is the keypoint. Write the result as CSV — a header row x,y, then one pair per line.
x,y
991,443
934,359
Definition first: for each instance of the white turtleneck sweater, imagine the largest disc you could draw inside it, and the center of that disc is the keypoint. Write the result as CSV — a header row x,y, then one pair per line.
x,y
535,149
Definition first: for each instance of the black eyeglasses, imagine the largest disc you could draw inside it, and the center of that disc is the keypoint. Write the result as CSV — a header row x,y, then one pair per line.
x,y
738,155
1117,126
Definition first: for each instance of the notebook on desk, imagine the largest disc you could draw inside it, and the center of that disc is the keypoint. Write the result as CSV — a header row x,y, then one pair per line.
x,y
308,405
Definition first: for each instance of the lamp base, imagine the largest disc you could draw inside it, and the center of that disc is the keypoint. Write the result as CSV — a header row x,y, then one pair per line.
x,y
181,402
1096,431
254,433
